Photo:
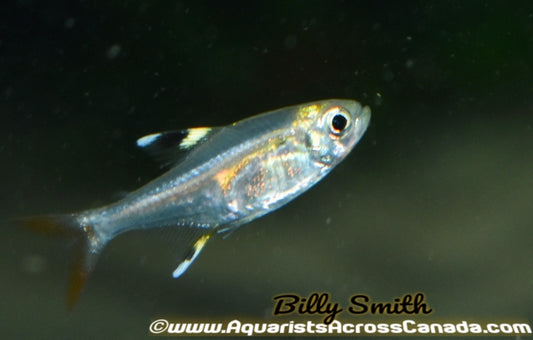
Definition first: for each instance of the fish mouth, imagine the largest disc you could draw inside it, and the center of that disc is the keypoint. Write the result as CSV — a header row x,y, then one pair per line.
x,y
360,113
364,116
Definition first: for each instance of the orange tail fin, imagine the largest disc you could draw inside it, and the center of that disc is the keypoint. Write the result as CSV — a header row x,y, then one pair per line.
x,y
88,244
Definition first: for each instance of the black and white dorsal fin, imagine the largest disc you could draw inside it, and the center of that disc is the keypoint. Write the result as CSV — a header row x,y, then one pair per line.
x,y
169,146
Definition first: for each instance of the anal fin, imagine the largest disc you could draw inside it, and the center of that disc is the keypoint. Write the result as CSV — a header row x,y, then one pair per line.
x,y
191,256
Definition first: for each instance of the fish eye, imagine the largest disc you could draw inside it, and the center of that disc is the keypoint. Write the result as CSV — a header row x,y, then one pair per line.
x,y
338,119
338,123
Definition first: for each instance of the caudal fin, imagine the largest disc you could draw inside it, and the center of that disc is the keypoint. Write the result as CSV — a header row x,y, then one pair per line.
x,y
88,246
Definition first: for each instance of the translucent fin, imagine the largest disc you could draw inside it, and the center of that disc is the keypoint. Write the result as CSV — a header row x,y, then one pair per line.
x,y
82,267
89,246
191,256
169,146
227,230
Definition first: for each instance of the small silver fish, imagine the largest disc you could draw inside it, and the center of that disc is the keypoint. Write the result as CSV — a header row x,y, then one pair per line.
x,y
229,176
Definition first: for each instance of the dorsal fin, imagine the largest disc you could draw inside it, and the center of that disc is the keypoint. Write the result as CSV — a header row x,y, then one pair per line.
x,y
169,146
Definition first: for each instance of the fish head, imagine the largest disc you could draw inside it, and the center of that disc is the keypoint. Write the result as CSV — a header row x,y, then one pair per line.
x,y
333,129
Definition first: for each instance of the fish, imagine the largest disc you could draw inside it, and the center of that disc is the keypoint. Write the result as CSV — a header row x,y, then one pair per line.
x,y
219,178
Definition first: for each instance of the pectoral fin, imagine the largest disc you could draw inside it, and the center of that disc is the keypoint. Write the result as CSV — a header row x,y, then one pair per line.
x,y
191,256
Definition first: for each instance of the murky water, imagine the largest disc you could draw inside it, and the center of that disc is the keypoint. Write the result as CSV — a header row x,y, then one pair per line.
x,y
436,198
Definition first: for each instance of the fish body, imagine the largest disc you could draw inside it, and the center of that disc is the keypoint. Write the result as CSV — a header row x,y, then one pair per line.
x,y
229,176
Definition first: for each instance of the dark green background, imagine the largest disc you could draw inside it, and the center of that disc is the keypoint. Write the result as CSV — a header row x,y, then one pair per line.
x,y
436,198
